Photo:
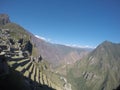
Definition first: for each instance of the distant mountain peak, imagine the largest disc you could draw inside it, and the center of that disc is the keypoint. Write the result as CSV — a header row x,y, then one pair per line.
x,y
107,48
107,42
103,62
4,19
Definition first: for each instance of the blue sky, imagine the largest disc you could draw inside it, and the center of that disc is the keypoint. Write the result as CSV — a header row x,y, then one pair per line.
x,y
74,22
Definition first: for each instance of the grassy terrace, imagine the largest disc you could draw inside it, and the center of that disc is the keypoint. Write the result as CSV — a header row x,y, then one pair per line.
x,y
37,75
19,68
35,72
22,61
28,65
44,79
26,74
41,79
12,63
30,70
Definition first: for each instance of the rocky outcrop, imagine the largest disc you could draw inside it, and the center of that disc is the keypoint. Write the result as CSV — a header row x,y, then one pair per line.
x,y
4,19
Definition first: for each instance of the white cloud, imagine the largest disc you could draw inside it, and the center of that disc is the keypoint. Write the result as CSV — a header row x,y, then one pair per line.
x,y
79,46
43,38
70,45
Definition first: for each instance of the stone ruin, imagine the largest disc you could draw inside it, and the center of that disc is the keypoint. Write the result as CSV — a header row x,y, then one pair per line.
x,y
10,48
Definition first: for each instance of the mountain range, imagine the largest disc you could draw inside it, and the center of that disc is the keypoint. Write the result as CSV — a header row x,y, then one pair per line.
x,y
42,65
57,54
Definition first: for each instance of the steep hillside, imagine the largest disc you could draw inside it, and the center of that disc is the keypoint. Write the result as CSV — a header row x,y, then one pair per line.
x,y
99,70
21,64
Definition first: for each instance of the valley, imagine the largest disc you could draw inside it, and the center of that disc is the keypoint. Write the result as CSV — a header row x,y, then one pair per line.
x,y
30,63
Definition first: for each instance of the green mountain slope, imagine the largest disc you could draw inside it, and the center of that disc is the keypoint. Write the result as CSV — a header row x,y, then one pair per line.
x,y
21,63
99,70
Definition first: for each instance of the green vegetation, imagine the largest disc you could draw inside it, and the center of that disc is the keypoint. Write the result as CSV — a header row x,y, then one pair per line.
x,y
19,68
26,74
35,52
16,31
97,71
